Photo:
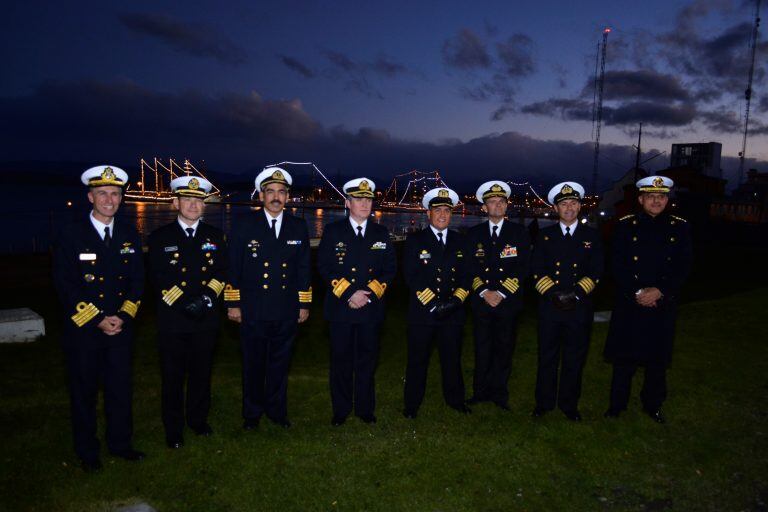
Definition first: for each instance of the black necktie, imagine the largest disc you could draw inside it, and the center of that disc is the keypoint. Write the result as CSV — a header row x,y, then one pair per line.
x,y
440,237
274,228
190,232
359,231
568,231
107,238
495,235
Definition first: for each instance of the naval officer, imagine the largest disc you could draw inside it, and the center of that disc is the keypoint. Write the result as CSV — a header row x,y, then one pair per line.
x,y
435,270
498,252
188,264
269,293
567,264
651,258
357,261
98,271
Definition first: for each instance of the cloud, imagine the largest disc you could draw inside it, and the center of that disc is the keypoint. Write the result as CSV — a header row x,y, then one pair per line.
x,y
196,40
466,51
628,113
639,84
516,55
359,76
297,66
386,66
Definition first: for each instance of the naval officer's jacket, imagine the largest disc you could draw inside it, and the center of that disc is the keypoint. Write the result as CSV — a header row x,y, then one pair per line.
x,y
183,268
435,273
502,265
268,277
348,264
94,281
647,252
567,264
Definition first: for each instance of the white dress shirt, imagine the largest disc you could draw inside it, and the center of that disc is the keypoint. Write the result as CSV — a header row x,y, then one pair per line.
x,y
436,231
277,224
355,224
572,226
184,226
99,226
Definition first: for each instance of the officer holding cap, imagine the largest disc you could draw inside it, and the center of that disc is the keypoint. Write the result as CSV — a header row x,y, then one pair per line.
x,y
651,258
269,293
98,271
435,270
567,264
188,262
498,252
357,261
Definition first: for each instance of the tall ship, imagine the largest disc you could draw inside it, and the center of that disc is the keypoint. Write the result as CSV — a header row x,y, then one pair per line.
x,y
155,178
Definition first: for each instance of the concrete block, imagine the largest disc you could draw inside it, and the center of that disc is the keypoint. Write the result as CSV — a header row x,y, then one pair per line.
x,y
20,325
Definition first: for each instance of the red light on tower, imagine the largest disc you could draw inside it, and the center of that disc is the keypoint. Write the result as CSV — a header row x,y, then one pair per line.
x,y
607,31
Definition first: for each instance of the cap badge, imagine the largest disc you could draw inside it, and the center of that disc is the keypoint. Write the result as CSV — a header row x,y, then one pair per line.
x,y
193,184
363,185
658,182
108,174
443,193
567,189
277,175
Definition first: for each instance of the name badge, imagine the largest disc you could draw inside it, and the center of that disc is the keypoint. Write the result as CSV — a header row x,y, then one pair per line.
x,y
293,242
87,256
171,248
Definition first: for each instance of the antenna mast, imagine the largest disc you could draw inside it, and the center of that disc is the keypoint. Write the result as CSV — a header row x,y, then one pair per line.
x,y
599,115
748,91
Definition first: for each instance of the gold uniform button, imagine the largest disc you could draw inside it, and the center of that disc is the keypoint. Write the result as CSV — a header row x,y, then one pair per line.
x,y
354,269
672,239
352,280
93,263
266,286
266,276
101,295
557,263
204,282
119,294
557,272
575,265
634,239
101,279
557,282
501,270
207,255
119,277
175,255
183,269
204,269
183,283
285,265
438,289
370,270
125,261
283,287
438,279
266,263
283,275
487,269
635,258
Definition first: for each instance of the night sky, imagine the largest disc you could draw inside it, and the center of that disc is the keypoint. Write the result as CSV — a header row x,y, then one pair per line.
x,y
473,89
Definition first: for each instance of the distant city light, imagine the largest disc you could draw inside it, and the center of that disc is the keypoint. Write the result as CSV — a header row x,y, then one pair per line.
x,y
602,214
69,203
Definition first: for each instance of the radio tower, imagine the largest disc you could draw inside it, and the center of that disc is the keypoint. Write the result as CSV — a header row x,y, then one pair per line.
x,y
748,91
599,109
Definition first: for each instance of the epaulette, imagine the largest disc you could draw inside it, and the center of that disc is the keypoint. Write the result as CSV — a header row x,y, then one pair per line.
x,y
627,216
678,218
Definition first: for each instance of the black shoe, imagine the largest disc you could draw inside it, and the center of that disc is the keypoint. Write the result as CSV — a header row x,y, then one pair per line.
x,y
281,422
130,454
538,412
174,443
656,415
251,423
91,466
338,421
368,418
204,430
612,413
573,415
410,414
504,406
463,409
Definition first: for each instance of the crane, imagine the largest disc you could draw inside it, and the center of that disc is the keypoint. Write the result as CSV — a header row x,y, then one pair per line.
x,y
598,117
748,91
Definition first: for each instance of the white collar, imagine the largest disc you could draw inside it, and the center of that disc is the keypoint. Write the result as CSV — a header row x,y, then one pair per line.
x,y
184,226
436,231
99,226
491,224
279,218
354,224
572,226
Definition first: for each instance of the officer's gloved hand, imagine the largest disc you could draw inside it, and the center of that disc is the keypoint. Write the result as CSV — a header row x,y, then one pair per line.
x,y
565,301
446,308
195,308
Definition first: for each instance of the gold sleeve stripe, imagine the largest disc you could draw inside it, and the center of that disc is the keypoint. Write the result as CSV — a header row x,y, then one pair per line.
x,y
340,286
586,284
477,283
216,285
511,284
377,287
131,307
305,296
172,295
85,313
544,284
425,296
230,294
461,293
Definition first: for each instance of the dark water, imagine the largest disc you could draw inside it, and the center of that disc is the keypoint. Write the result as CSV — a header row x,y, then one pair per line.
x,y
33,217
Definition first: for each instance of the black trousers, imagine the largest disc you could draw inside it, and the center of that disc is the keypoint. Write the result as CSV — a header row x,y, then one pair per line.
x,y
185,356
563,344
354,352
108,362
266,347
420,339
495,331
654,390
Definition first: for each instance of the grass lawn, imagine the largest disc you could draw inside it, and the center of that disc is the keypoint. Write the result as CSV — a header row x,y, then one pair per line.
x,y
711,455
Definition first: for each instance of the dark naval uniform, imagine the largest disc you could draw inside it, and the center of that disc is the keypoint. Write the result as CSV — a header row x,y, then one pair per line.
x,y
269,279
564,263
185,268
434,272
94,280
497,263
347,263
647,252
